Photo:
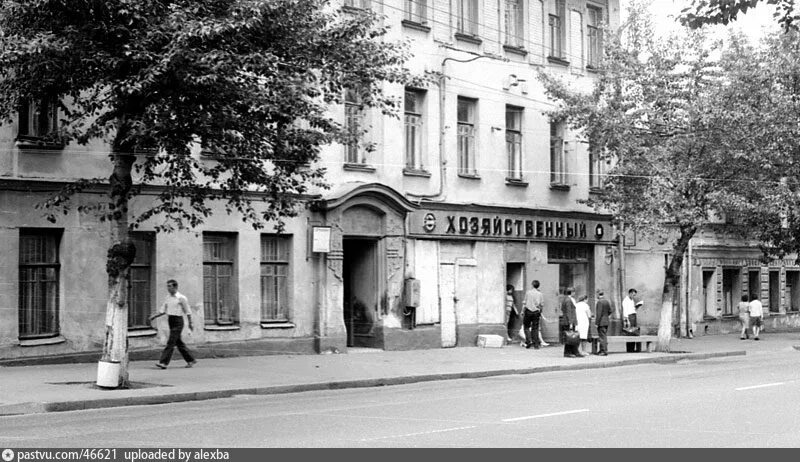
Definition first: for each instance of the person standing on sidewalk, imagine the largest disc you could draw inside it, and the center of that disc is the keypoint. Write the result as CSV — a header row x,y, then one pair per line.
x,y
629,306
584,315
532,313
756,312
603,311
512,315
570,320
744,316
175,306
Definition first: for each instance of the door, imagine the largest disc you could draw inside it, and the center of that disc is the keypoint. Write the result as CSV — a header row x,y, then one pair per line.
x,y
709,293
774,291
447,303
360,272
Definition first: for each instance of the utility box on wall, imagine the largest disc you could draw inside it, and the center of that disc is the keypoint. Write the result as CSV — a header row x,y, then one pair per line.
x,y
411,295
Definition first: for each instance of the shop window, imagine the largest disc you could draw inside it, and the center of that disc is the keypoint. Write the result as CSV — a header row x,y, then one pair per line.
x,y
731,290
274,278
709,293
754,283
219,279
140,283
793,290
567,253
39,269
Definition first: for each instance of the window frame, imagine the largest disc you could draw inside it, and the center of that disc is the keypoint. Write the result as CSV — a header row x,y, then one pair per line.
x,y
415,11
28,136
354,121
557,30
47,319
283,259
210,307
466,137
414,117
517,39
514,148
598,168
467,17
595,19
357,4
149,240
558,158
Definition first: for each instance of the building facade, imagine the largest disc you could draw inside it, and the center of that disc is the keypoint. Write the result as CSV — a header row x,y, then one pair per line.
x,y
427,220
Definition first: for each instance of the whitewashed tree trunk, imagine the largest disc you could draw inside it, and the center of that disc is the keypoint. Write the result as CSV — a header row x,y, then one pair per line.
x,y
671,279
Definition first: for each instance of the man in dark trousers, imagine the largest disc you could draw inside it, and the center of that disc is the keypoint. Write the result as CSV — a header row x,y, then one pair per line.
x,y
533,312
175,306
603,310
571,320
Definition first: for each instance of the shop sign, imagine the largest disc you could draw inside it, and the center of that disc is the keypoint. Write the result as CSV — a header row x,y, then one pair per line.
x,y
490,226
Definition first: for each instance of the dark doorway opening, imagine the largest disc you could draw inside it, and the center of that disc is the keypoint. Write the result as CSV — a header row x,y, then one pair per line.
x,y
360,273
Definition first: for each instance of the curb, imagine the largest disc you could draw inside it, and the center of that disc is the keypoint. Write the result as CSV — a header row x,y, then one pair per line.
x,y
64,406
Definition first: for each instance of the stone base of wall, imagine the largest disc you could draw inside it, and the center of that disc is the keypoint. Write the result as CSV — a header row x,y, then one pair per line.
x,y
419,338
467,334
258,347
789,322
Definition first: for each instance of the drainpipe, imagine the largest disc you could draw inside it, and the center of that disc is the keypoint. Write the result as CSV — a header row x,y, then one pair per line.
x,y
688,263
440,195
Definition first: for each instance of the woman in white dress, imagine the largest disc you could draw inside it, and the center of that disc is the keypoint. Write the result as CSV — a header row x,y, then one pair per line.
x,y
584,314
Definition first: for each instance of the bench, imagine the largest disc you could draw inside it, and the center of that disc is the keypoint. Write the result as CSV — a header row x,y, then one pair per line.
x,y
615,339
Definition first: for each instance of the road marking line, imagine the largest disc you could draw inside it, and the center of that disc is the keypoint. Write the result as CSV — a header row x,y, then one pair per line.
x,y
420,433
515,419
762,386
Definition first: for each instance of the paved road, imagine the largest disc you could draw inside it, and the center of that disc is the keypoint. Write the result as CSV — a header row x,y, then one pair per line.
x,y
732,402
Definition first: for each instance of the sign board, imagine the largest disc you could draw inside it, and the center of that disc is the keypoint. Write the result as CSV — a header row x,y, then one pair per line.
x,y
490,226
321,239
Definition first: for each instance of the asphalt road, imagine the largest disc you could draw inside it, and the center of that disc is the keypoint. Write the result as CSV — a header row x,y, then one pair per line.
x,y
733,402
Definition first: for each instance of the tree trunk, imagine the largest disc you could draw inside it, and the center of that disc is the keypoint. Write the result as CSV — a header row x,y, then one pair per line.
x,y
121,253
671,280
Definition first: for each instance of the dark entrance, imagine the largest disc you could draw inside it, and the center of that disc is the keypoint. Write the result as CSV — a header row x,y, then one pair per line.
x,y
360,272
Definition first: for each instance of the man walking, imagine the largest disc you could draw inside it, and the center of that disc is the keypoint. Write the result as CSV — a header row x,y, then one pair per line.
x,y
756,314
603,311
175,306
533,312
571,320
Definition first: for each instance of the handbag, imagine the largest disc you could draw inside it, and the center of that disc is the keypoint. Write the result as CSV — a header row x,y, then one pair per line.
x,y
631,331
572,338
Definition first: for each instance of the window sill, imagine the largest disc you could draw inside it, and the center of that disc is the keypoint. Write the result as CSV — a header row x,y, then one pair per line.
x,y
34,142
277,325
468,38
592,69
559,186
520,51
415,25
596,190
469,176
558,61
416,172
142,333
359,168
220,328
352,9
42,341
516,182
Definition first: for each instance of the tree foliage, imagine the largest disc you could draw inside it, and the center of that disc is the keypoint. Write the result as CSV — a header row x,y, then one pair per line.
x,y
252,81
703,12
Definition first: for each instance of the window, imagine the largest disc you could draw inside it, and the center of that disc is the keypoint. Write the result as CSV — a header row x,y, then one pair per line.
x,y
597,169
413,127
38,283
594,24
556,23
38,119
567,253
415,11
140,287
361,4
514,141
219,256
558,163
467,17
274,278
513,22
353,120
466,136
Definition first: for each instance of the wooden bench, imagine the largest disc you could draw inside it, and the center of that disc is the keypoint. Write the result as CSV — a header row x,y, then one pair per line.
x,y
616,339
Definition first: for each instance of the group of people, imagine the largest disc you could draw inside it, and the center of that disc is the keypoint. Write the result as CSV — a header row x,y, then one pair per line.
x,y
576,316
751,312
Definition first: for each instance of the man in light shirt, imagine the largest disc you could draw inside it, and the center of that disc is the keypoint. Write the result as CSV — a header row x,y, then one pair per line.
x,y
533,312
756,313
175,306
629,307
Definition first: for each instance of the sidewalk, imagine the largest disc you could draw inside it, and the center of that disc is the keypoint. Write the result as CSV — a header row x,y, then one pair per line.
x,y
66,387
